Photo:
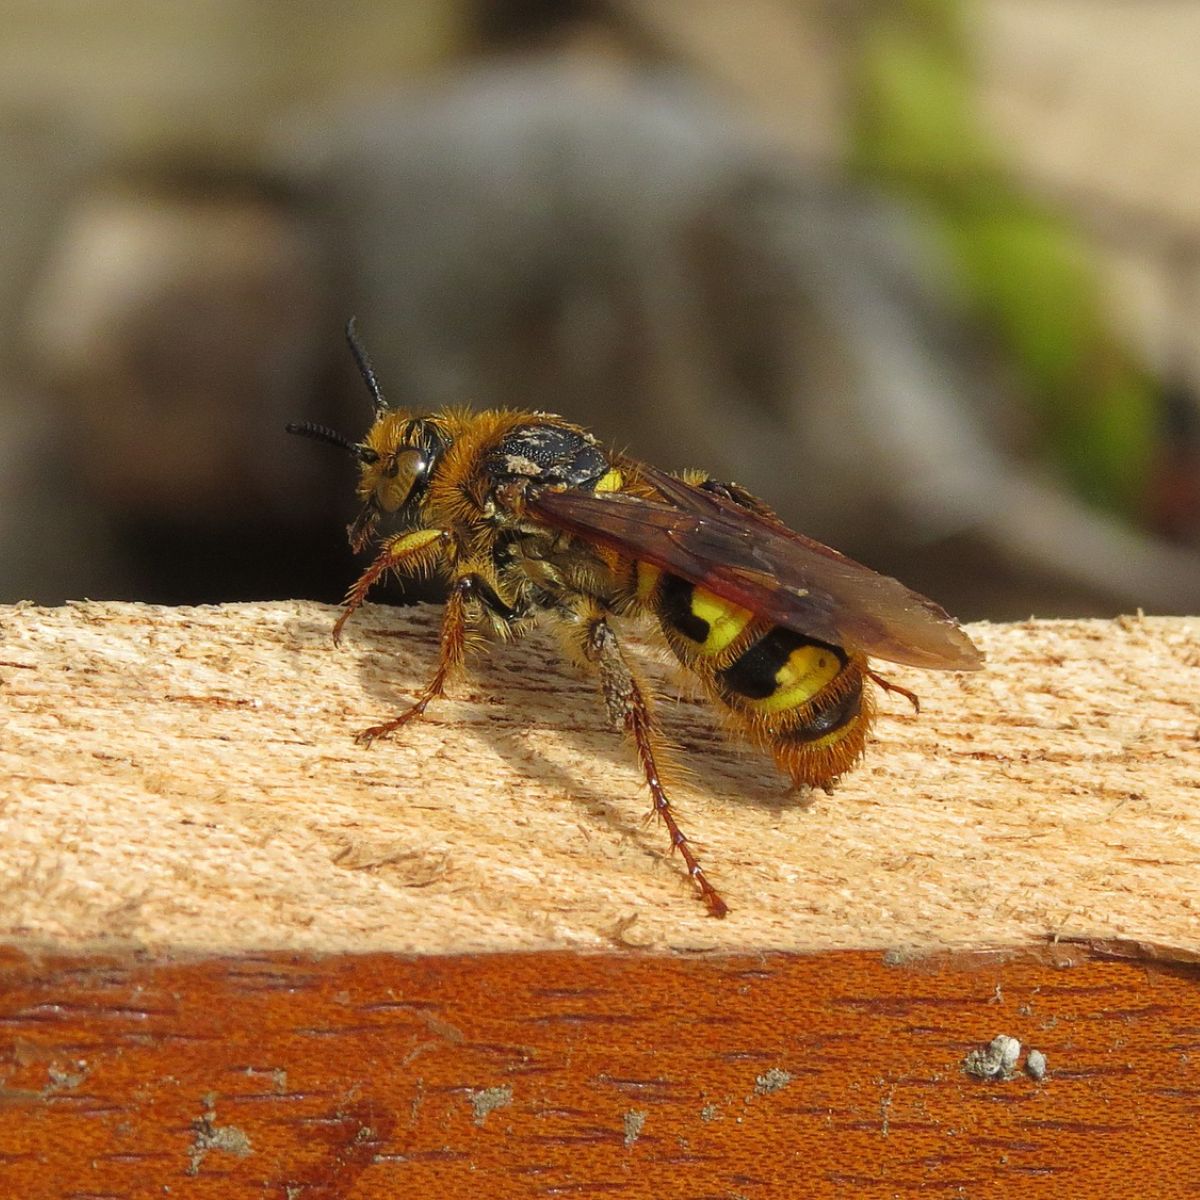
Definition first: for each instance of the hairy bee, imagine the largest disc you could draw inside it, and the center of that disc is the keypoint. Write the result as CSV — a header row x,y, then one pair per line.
x,y
529,518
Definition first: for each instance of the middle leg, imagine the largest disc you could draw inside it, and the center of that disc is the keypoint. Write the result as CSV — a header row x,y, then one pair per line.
x,y
452,647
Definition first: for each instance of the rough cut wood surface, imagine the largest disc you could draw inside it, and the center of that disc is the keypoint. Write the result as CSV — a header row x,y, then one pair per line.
x,y
186,779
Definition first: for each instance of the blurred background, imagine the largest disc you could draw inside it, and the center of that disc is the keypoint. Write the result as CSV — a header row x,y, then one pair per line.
x,y
925,274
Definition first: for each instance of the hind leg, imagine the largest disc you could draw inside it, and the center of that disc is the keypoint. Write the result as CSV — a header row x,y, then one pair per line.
x,y
628,707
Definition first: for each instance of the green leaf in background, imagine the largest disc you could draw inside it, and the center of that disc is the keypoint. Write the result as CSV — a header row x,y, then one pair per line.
x,y
1023,271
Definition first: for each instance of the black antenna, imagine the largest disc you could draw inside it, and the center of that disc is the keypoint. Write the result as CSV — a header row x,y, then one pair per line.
x,y
364,368
322,433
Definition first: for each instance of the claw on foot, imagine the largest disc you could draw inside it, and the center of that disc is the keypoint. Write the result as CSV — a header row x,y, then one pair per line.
x,y
367,736
888,686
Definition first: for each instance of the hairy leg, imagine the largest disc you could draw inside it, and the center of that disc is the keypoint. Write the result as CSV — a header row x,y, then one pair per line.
x,y
628,707
452,646
412,552
888,686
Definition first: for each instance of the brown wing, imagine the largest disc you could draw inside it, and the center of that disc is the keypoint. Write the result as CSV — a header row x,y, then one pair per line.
x,y
756,562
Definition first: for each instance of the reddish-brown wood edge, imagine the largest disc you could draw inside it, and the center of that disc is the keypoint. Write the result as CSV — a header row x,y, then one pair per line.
x,y
557,1074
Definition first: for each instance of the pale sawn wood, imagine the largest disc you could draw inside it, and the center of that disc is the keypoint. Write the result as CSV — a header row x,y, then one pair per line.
x,y
187,779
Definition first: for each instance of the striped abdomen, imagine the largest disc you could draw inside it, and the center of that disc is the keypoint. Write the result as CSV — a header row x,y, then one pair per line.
x,y
801,699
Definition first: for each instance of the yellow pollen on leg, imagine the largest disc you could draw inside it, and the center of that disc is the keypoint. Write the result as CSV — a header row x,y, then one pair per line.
x,y
611,481
416,539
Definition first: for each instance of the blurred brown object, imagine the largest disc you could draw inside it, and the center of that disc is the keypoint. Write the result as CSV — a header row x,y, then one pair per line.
x,y
206,503
175,327
176,323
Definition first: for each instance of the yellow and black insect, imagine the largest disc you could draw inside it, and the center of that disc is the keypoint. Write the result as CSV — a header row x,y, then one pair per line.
x,y
529,518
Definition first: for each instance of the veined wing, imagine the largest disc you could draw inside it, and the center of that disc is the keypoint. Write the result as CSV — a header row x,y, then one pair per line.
x,y
751,560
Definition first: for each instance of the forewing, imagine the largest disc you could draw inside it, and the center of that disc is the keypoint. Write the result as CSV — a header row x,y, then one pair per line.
x,y
760,564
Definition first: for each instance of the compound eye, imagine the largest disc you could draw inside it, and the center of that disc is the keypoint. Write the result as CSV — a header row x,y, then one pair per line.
x,y
401,477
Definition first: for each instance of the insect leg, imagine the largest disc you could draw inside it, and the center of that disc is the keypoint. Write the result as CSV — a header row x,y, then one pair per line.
x,y
627,706
412,552
451,652
888,686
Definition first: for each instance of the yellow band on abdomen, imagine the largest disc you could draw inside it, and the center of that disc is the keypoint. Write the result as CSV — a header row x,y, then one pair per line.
x,y
725,620
647,580
807,671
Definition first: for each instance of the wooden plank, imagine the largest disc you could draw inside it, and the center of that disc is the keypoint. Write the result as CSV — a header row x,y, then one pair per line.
x,y
177,783
186,779
560,1074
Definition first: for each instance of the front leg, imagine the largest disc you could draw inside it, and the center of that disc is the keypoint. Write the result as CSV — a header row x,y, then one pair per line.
x,y
413,552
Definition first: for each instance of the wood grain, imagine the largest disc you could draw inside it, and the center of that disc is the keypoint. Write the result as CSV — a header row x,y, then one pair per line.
x,y
561,1074
186,779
